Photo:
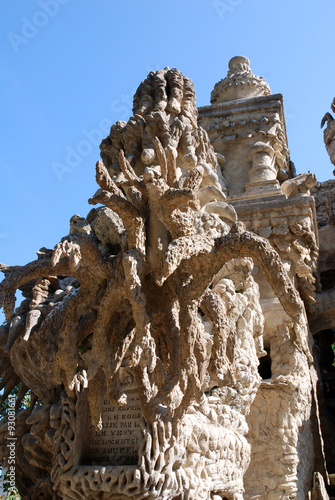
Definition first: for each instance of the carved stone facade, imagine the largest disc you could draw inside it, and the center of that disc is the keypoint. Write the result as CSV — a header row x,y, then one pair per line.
x,y
167,335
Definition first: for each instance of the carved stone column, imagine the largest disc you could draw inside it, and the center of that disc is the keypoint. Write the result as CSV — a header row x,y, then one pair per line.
x,y
244,112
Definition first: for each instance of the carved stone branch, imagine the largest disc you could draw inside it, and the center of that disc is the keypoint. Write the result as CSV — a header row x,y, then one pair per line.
x,y
104,179
161,157
131,217
128,171
221,362
20,275
206,253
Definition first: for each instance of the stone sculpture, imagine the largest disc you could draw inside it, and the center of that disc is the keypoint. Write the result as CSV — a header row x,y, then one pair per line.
x,y
329,133
149,306
239,83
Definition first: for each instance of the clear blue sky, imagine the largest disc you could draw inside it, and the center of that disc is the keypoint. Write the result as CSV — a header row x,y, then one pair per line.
x,y
70,68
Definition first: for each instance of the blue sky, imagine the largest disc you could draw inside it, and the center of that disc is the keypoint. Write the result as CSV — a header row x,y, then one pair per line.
x,y
71,67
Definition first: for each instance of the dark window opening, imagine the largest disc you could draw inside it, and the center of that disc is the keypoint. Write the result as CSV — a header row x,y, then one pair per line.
x,y
264,367
323,342
327,279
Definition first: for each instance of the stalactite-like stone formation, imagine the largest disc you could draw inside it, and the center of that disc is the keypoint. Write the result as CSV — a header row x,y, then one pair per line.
x,y
150,299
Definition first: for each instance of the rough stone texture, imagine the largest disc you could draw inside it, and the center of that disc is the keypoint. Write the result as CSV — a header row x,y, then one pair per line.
x,y
322,323
163,297
281,415
319,489
324,194
250,133
329,133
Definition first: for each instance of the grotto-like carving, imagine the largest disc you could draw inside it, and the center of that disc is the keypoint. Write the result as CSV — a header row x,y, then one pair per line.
x,y
157,281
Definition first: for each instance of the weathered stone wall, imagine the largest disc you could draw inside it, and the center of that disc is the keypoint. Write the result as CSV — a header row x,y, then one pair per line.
x,y
322,323
280,428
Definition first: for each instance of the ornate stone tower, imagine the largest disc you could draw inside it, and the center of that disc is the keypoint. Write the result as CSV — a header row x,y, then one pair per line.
x,y
246,126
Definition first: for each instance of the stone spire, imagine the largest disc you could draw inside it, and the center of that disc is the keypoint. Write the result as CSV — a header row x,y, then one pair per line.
x,y
240,83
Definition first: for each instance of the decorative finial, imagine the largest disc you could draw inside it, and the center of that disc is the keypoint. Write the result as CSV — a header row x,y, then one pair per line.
x,y
241,61
240,83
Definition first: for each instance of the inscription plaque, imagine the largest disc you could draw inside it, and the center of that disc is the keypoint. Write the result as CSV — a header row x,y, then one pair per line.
x,y
118,441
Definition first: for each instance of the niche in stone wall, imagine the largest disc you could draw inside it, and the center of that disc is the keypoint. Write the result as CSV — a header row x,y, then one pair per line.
x,y
264,367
